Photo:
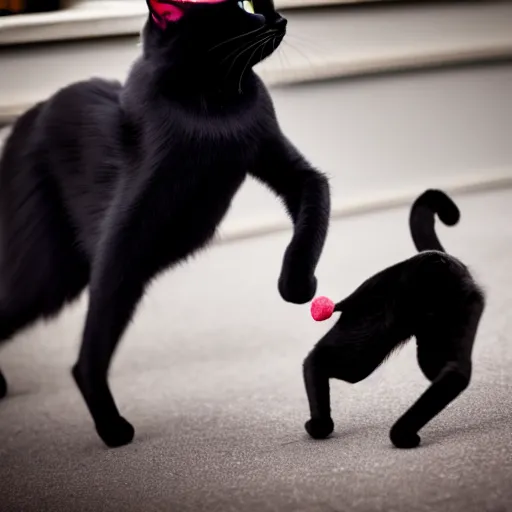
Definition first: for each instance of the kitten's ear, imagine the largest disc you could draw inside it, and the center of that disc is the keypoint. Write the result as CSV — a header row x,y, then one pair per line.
x,y
164,12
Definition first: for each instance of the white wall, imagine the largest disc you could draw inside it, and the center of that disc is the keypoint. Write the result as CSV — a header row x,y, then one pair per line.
x,y
380,139
394,135
389,137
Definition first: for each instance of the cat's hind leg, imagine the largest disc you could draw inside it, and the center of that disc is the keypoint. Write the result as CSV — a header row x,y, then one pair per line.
x,y
450,372
42,298
118,278
10,323
111,306
41,267
450,382
27,304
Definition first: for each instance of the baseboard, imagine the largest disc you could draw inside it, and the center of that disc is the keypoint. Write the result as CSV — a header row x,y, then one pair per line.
x,y
232,231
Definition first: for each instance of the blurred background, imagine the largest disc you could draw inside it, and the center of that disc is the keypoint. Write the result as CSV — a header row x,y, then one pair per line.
x,y
386,97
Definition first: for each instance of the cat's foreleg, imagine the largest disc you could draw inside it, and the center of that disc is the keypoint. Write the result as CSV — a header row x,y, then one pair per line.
x,y
305,193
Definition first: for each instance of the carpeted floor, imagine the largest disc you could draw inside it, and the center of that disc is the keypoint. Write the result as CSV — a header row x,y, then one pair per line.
x,y
210,375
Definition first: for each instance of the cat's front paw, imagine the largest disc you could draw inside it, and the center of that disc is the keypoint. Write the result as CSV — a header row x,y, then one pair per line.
x,y
319,428
403,438
116,432
297,289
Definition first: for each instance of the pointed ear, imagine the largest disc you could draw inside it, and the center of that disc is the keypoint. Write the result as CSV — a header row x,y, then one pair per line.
x,y
164,12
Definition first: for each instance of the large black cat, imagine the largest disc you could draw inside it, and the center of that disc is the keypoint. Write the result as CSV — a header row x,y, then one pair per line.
x,y
106,184
431,296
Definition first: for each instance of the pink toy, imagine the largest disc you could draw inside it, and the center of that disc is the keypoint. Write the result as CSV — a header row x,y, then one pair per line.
x,y
322,308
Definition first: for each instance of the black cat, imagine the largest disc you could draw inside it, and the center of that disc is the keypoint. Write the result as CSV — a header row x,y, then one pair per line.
x,y
431,296
106,185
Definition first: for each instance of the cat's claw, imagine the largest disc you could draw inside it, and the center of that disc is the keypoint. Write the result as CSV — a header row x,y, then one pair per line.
x,y
319,428
403,438
116,433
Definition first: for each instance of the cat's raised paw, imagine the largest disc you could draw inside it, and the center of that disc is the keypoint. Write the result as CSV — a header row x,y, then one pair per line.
x,y
404,439
319,428
116,433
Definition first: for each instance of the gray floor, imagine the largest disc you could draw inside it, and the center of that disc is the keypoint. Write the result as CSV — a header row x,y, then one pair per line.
x,y
210,375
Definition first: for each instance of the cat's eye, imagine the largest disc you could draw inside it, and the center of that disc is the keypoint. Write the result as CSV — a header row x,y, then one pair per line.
x,y
247,6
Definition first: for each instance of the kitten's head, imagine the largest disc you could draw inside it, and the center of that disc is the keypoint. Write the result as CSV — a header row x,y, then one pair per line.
x,y
215,39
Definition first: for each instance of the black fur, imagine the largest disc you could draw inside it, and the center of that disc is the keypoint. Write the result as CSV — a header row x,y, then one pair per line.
x,y
106,185
431,296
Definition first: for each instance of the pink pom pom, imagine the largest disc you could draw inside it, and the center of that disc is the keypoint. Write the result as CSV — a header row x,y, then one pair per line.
x,y
322,308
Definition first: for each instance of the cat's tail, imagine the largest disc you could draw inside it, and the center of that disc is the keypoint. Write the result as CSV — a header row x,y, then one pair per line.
x,y
422,218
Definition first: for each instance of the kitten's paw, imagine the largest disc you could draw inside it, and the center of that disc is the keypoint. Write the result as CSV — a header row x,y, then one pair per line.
x,y
403,438
116,433
3,386
319,428
297,289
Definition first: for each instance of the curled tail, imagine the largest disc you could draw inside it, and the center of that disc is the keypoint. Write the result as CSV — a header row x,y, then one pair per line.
x,y
422,218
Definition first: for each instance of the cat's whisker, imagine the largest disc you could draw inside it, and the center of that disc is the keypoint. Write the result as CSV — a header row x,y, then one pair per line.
x,y
279,54
311,42
256,44
241,52
263,43
311,48
301,53
245,49
231,39
263,49
282,54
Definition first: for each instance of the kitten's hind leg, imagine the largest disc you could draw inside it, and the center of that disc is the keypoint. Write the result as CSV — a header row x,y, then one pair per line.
x,y
452,380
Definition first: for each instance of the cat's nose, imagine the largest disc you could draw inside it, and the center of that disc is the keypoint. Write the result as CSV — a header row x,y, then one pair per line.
x,y
280,23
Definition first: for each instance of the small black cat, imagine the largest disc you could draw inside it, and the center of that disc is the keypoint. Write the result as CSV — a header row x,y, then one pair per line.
x,y
431,296
107,185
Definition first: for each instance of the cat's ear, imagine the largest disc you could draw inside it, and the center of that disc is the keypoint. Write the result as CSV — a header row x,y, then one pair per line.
x,y
164,12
